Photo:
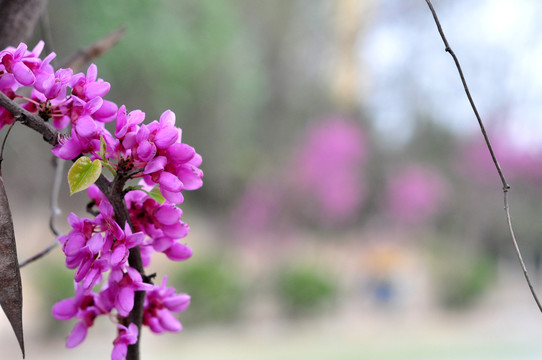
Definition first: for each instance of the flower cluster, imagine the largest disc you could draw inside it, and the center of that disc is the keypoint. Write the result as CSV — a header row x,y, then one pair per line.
x,y
98,247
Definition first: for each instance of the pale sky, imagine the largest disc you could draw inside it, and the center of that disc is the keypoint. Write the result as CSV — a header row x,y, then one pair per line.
x,y
499,46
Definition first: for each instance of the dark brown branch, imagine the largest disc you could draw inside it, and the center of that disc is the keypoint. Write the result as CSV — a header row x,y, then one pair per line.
x,y
134,258
32,121
505,186
18,18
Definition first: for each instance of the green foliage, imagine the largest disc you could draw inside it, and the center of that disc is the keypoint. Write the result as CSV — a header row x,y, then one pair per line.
x,y
83,173
215,289
462,282
304,290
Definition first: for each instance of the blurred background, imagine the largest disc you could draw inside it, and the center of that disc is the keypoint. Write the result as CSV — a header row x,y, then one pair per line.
x,y
350,209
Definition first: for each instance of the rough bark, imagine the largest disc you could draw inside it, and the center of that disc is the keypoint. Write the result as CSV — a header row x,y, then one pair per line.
x,y
18,18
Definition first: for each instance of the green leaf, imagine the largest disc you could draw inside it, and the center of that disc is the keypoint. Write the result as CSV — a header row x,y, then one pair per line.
x,y
102,147
156,195
83,173
133,188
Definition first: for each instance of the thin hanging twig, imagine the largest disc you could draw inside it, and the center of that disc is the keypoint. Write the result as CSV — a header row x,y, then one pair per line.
x,y
39,255
4,142
505,186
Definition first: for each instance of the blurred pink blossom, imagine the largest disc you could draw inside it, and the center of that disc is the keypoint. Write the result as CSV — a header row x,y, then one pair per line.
x,y
323,181
328,168
415,194
516,162
259,207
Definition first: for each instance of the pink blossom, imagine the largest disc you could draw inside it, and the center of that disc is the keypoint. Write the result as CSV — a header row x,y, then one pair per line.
x,y
84,307
160,303
126,336
13,62
98,248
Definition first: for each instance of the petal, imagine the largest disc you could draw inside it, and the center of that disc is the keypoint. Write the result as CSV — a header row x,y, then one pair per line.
x,y
154,325
178,252
83,270
190,176
168,214
165,137
129,140
23,74
95,243
146,151
38,48
78,334
61,122
177,230
92,73
64,309
69,150
121,122
125,301
134,275
143,133
97,89
167,118
93,105
170,182
91,278
168,321
177,303
21,50
74,244
106,112
120,350
131,334
43,82
162,243
106,210
118,255
134,240
180,153
196,160
175,197
85,127
156,164
136,117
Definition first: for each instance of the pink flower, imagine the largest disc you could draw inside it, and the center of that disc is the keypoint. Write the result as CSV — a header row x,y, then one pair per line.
x,y
123,286
13,61
98,248
161,222
160,303
157,149
84,307
126,336
89,87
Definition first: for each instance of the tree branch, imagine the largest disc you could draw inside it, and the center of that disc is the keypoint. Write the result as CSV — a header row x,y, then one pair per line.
x,y
100,47
18,19
505,186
